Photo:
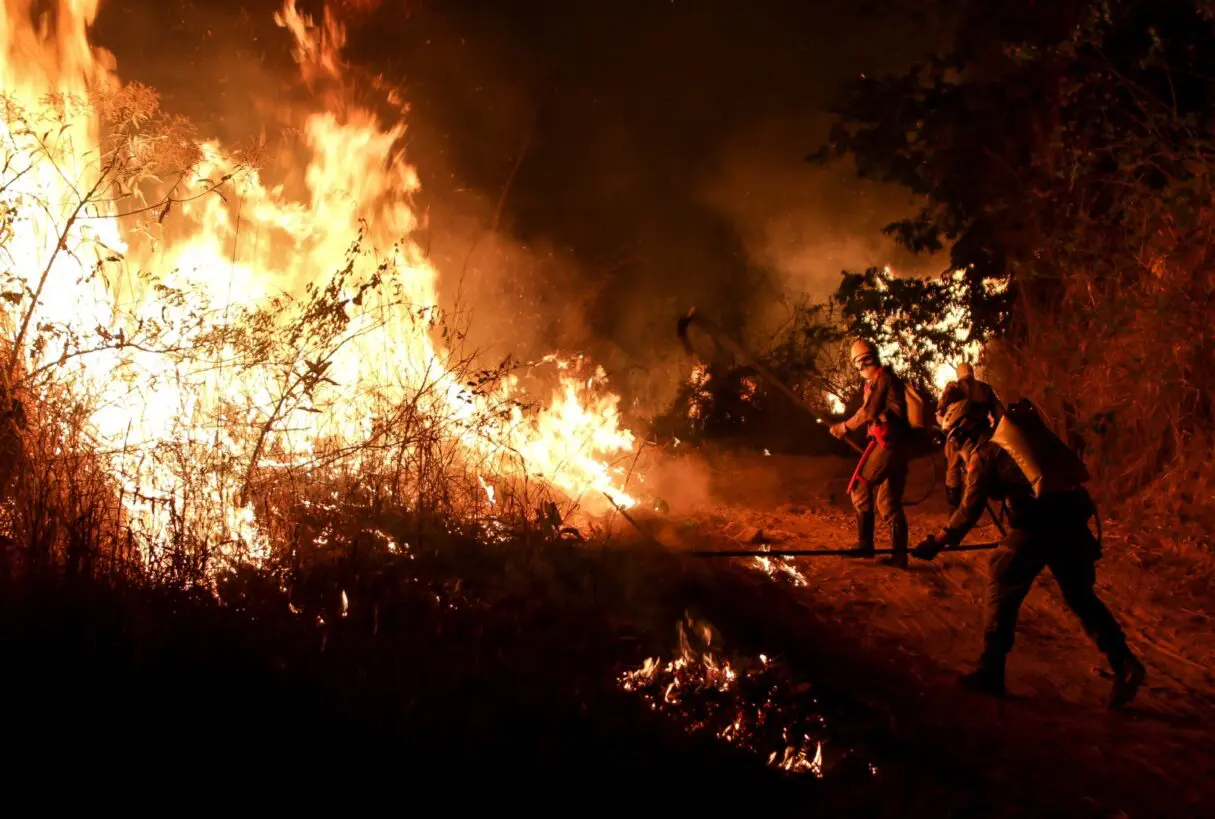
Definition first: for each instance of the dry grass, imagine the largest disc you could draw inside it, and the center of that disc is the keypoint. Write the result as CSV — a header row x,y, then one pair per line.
x,y
1124,369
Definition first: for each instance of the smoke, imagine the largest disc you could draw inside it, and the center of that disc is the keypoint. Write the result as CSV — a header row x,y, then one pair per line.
x,y
587,174
805,224
684,484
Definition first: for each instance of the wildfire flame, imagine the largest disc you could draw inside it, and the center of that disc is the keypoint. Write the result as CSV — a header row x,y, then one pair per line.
x,y
754,707
892,347
698,381
955,321
218,338
489,490
776,567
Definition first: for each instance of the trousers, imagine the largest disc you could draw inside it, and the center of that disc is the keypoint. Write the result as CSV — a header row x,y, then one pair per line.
x,y
882,481
955,464
1070,552
955,473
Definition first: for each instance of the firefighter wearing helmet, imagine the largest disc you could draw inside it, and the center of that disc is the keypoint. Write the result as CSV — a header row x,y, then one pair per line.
x,y
1041,482
983,403
877,487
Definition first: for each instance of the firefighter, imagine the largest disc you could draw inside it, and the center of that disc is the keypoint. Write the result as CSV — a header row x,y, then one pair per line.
x,y
984,402
881,474
1047,531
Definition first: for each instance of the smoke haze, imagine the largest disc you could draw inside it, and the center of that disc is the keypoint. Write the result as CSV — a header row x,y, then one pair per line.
x,y
589,170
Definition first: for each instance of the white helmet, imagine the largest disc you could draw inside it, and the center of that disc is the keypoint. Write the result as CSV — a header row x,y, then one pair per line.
x,y
960,420
863,349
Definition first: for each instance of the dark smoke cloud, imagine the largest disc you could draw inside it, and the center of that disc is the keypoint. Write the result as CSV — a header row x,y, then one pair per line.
x,y
804,224
589,169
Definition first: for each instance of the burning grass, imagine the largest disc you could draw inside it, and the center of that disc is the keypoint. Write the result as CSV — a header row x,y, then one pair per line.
x,y
235,413
204,335
779,568
385,649
753,704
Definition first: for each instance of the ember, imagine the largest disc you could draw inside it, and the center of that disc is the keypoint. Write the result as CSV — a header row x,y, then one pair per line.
x,y
753,704
779,567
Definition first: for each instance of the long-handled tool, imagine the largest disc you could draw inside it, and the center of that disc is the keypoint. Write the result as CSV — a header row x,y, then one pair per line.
x,y
721,338
966,547
726,553
738,350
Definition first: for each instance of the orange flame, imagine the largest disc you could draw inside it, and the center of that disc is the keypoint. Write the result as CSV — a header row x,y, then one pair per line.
x,y
709,693
77,239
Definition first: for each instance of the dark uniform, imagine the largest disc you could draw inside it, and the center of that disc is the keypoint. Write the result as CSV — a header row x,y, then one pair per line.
x,y
1049,532
984,403
883,474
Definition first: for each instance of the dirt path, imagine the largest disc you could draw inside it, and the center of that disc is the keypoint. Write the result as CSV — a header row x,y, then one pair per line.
x,y
917,630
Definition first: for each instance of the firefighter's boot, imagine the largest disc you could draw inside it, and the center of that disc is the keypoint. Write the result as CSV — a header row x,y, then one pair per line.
x,y
898,542
864,535
1128,676
987,679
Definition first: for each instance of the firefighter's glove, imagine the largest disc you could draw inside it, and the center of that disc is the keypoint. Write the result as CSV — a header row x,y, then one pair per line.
x,y
838,430
928,548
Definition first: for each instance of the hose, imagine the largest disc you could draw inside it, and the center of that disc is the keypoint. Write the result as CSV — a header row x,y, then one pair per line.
x,y
931,487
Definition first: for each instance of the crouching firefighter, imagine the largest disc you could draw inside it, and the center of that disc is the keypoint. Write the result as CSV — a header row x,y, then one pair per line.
x,y
1022,463
983,402
877,485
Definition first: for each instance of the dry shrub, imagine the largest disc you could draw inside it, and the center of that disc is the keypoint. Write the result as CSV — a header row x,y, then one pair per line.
x,y
70,503
60,507
1124,369
169,426
63,505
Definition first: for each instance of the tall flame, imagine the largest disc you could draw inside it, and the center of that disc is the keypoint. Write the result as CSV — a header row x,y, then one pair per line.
x,y
220,336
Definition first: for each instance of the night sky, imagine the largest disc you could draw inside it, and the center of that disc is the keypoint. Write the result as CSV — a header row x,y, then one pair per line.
x,y
665,144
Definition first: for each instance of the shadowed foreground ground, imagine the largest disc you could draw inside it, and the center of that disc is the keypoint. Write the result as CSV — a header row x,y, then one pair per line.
x,y
488,674
918,630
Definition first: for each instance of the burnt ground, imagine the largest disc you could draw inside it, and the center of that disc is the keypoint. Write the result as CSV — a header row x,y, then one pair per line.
x,y
898,640
465,673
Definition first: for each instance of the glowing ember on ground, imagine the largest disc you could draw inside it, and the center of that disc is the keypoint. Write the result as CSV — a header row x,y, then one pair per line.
x,y
752,704
778,567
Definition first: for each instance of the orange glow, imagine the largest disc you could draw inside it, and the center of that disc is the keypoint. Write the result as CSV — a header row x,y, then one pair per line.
x,y
287,328
709,693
